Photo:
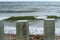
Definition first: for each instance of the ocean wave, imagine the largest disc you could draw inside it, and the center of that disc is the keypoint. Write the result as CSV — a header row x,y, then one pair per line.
x,y
16,11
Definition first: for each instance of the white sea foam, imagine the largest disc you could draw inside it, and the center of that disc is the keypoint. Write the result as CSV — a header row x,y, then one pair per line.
x,y
32,30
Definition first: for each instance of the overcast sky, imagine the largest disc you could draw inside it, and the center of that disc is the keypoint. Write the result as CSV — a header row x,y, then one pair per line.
x,y
29,0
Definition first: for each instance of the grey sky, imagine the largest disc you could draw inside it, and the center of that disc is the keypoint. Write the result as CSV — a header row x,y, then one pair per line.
x,y
29,0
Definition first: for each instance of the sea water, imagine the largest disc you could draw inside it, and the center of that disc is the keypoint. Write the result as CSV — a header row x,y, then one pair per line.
x,y
38,8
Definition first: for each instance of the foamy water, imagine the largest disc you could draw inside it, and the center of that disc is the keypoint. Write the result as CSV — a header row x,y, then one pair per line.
x,y
39,8
35,27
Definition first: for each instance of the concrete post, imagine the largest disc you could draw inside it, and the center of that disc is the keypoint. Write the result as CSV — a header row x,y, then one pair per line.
x,y
1,30
49,29
22,28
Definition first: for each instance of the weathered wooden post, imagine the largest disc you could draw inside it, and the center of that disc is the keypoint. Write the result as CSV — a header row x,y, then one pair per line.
x,y
49,29
22,28
1,30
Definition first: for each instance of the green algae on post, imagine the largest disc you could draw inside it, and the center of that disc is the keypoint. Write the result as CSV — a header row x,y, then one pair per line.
x,y
21,18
